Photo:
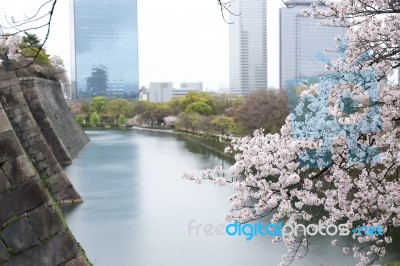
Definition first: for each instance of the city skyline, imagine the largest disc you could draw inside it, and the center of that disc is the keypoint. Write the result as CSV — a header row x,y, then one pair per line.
x,y
179,40
154,13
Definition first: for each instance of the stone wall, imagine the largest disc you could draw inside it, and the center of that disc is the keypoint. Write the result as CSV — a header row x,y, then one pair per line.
x,y
32,230
46,102
33,141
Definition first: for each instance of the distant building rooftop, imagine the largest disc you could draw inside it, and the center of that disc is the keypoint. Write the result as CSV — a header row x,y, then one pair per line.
x,y
301,2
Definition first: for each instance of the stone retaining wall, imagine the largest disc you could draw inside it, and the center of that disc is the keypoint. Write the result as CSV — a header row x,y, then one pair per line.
x,y
46,102
32,140
32,230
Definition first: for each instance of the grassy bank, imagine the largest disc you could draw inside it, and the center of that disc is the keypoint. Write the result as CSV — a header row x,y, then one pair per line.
x,y
210,142
395,263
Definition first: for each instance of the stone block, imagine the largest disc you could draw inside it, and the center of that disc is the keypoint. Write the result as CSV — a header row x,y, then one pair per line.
x,y
5,83
18,94
58,182
39,138
14,81
18,170
67,196
30,133
4,255
45,221
49,162
38,148
20,235
17,111
13,101
80,261
4,75
39,156
50,171
25,109
17,119
9,147
4,123
59,249
25,125
31,142
4,183
27,196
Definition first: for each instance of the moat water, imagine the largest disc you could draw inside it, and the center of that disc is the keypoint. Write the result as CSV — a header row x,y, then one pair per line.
x,y
137,208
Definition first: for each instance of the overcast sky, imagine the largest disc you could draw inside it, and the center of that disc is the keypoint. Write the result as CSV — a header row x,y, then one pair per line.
x,y
179,40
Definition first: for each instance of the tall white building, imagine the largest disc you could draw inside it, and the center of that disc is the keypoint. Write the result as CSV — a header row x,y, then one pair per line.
x,y
160,91
303,43
248,46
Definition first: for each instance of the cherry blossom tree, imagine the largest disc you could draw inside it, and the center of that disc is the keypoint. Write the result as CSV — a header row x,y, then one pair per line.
x,y
336,159
298,176
170,121
11,29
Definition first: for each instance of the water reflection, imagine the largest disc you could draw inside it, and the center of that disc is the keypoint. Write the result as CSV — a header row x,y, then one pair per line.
x,y
137,208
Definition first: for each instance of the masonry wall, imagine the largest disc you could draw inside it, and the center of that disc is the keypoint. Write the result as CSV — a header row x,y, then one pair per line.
x,y
46,102
32,231
35,145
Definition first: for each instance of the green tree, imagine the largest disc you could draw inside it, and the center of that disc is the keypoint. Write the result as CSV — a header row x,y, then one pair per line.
x,y
154,113
94,118
193,97
31,40
140,107
121,119
85,108
224,103
174,104
195,121
116,107
79,119
200,108
223,123
183,121
97,104
148,113
31,48
161,110
202,123
189,121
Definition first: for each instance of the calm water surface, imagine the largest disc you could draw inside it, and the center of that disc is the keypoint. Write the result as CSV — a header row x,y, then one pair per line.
x,y
137,208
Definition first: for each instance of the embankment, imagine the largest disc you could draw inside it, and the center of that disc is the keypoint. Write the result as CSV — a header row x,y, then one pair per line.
x,y
32,182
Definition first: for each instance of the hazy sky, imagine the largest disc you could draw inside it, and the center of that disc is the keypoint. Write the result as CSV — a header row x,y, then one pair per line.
x,y
179,40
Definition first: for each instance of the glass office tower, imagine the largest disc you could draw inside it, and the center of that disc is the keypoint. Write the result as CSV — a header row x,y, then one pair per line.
x,y
105,48
303,43
248,46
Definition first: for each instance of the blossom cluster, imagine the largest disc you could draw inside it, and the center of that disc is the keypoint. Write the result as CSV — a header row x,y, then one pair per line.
x,y
10,46
373,33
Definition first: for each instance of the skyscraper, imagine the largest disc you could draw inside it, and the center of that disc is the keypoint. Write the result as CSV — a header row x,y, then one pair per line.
x,y
303,42
105,48
248,46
